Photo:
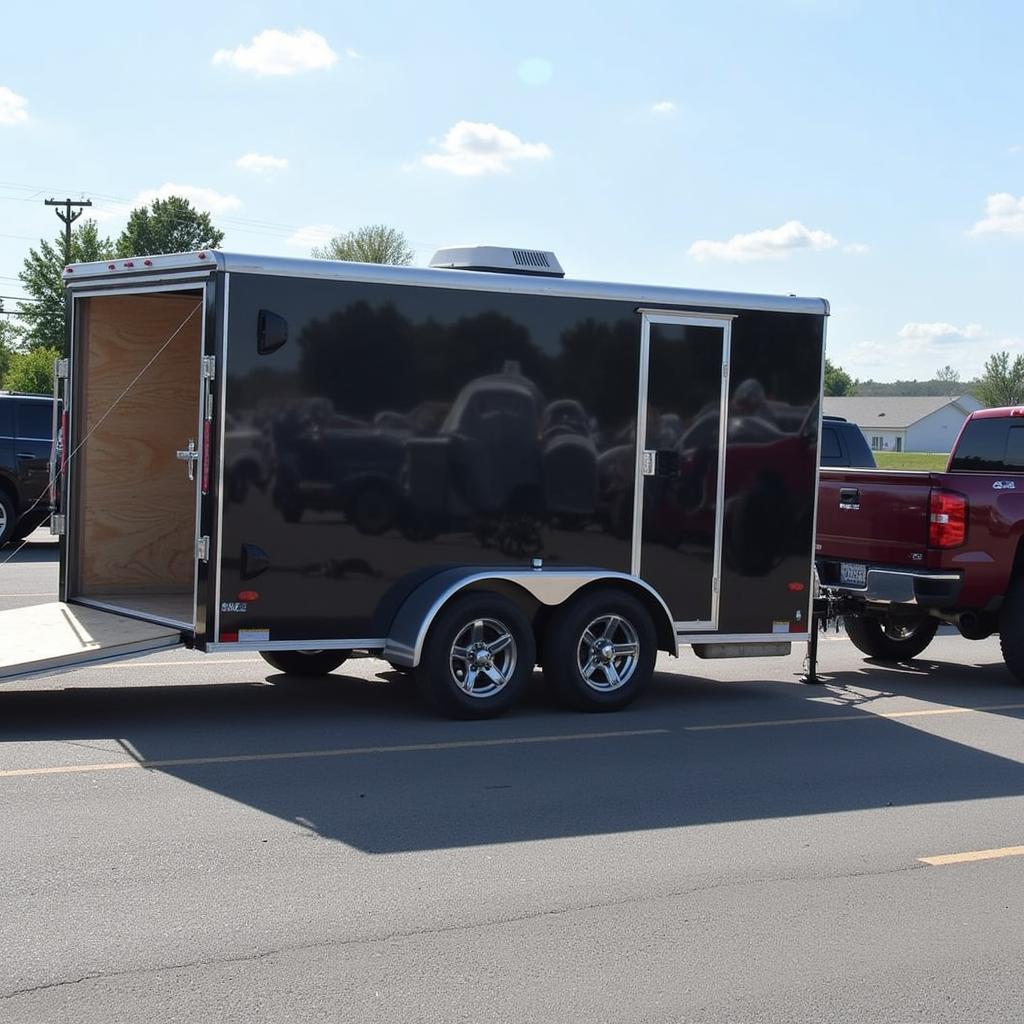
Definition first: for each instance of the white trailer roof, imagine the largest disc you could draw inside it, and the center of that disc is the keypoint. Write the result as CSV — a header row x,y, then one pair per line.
x,y
121,271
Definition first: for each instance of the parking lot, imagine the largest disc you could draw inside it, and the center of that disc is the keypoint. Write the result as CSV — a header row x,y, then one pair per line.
x,y
190,838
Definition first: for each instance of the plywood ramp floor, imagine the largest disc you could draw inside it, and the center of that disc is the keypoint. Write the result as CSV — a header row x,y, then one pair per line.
x,y
50,637
176,606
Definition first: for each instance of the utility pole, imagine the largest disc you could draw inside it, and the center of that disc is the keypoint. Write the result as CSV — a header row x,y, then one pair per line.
x,y
69,218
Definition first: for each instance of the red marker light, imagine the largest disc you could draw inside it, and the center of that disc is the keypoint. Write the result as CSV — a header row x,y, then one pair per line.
x,y
128,263
147,263
248,595
111,266
795,587
229,638
69,270
201,255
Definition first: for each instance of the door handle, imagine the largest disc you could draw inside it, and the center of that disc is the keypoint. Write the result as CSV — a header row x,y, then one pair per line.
x,y
190,456
849,499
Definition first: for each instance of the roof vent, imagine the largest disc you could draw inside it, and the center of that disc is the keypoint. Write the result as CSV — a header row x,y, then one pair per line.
x,y
498,260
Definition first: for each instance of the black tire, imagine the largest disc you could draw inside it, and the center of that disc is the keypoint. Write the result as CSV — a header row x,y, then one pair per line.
x,y
304,663
373,509
1011,630
444,679
579,674
886,640
8,518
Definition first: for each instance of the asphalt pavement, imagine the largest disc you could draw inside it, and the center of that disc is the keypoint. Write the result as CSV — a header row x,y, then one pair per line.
x,y
190,838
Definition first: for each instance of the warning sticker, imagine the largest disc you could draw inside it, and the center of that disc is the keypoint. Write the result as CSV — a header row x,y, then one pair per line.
x,y
780,626
250,635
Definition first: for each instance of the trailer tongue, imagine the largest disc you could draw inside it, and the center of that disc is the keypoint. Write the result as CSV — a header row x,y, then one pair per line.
x,y
47,638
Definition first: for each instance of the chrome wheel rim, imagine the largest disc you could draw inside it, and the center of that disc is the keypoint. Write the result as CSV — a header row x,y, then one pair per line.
x,y
899,631
483,657
608,653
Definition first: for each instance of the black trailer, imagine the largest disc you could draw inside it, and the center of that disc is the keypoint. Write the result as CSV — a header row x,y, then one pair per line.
x,y
465,472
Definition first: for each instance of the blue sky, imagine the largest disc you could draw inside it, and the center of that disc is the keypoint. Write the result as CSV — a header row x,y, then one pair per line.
x,y
872,153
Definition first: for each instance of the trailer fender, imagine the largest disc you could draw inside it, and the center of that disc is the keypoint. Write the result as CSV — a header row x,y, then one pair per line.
x,y
550,587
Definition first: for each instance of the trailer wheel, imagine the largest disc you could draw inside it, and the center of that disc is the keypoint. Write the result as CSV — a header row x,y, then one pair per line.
x,y
478,656
599,651
1011,635
890,640
304,663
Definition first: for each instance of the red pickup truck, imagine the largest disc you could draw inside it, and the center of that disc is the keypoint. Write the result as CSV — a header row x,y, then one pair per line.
x,y
901,552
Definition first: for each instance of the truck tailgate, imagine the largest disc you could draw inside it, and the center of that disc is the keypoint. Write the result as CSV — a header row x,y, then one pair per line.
x,y
878,516
54,637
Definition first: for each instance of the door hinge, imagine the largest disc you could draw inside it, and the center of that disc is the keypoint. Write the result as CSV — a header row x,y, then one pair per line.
x,y
60,369
203,549
715,583
209,367
58,524
649,462
725,370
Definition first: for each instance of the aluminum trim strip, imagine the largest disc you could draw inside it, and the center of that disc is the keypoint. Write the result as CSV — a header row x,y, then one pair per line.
x,y
743,638
374,644
222,370
469,280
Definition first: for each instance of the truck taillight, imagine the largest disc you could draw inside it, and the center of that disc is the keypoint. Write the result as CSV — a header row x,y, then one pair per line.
x,y
947,519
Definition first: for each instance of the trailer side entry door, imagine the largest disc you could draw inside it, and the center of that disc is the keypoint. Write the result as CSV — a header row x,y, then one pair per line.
x,y
137,431
678,516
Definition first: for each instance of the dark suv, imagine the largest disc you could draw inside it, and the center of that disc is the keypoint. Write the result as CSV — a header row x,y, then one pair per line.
x,y
26,429
843,444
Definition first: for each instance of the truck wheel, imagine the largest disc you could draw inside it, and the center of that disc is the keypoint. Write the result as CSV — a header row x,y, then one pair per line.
x,y
478,656
599,651
1011,635
7,518
890,640
304,663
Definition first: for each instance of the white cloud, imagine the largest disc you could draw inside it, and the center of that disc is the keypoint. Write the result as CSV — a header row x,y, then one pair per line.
x,y
1015,149
311,235
919,349
663,107
207,200
472,148
274,52
12,107
353,54
261,163
940,332
767,244
1004,216
856,248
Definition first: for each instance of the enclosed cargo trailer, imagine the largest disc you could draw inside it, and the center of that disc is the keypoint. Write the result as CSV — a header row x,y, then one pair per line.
x,y
464,471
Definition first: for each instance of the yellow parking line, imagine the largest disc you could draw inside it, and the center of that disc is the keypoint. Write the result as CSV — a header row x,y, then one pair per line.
x,y
866,716
964,858
73,769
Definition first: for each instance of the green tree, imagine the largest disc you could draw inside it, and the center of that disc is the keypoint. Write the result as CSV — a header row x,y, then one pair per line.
x,y
167,225
32,370
376,243
10,341
949,381
43,277
1002,383
837,381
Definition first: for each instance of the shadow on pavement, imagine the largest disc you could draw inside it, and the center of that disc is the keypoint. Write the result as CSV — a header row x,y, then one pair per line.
x,y
385,802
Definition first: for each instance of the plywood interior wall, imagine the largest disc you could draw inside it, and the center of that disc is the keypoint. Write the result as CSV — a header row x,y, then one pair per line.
x,y
135,504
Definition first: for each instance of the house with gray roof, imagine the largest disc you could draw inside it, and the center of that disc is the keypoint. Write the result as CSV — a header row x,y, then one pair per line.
x,y
896,424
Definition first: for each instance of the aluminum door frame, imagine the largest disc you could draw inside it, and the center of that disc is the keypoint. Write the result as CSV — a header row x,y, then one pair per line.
x,y
202,284
723,322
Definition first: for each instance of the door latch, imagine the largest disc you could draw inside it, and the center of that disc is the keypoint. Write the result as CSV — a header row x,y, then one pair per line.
x,y
190,456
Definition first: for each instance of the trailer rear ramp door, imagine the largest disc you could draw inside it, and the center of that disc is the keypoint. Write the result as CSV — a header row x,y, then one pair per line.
x,y
56,637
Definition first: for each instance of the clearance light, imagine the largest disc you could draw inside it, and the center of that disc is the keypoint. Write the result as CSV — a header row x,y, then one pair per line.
x,y
795,587
128,263
201,255
248,595
111,266
229,638
69,270
947,519
147,263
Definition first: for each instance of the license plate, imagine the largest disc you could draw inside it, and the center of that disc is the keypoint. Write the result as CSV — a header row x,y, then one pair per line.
x,y
853,575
